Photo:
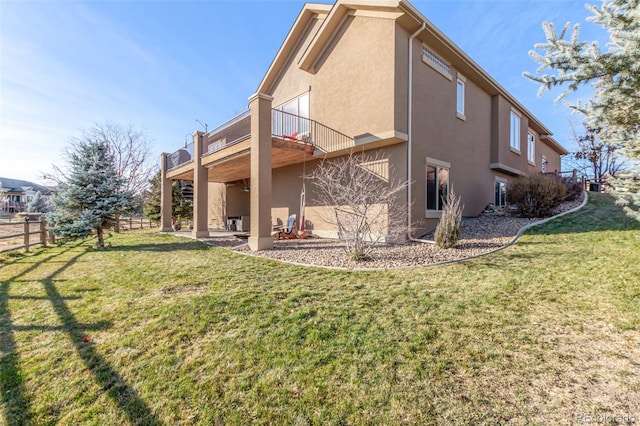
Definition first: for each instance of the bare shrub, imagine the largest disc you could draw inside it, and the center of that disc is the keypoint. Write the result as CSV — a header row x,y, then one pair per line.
x,y
363,204
447,232
574,188
535,195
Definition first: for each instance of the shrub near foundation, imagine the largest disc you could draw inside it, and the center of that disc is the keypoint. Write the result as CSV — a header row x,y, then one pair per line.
x,y
447,232
535,195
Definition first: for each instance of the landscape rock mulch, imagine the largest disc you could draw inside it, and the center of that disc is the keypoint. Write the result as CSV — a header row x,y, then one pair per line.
x,y
487,232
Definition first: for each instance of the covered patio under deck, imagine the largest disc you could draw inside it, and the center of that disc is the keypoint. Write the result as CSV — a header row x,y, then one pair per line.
x,y
248,146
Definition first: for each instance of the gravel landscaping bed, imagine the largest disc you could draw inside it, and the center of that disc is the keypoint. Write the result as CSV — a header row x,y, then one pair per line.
x,y
485,233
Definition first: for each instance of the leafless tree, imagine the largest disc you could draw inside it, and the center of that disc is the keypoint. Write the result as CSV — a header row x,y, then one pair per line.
x,y
130,147
362,200
595,157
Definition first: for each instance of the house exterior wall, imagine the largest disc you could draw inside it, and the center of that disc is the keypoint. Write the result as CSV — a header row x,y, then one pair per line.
x,y
439,134
217,205
238,200
360,88
357,81
352,90
551,156
287,186
292,81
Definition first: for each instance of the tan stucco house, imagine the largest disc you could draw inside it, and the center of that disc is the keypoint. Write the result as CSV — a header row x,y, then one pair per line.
x,y
372,75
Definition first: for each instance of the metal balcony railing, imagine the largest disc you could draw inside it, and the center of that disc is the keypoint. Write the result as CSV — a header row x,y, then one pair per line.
x,y
285,126
295,128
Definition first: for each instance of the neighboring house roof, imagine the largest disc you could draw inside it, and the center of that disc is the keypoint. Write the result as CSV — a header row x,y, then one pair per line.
x,y
21,186
409,18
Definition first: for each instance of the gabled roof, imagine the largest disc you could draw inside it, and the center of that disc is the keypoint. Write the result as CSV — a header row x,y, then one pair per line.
x,y
16,185
408,17
309,12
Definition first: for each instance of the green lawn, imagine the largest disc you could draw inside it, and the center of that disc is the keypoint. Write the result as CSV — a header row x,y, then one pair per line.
x,y
163,330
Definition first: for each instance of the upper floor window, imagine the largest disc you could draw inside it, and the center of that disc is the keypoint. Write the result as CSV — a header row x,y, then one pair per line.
x,y
297,106
437,184
514,140
436,62
460,97
295,120
531,148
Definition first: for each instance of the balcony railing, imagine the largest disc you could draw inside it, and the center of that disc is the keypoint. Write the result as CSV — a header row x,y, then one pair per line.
x,y
295,128
180,157
229,133
285,126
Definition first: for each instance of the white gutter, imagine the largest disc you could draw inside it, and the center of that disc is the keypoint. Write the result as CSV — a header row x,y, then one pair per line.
x,y
410,136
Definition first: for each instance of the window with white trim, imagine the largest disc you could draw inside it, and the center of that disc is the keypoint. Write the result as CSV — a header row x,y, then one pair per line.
x,y
460,96
531,148
437,188
500,193
289,124
514,140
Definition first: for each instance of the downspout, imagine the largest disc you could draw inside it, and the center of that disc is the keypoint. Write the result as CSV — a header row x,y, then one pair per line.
x,y
410,135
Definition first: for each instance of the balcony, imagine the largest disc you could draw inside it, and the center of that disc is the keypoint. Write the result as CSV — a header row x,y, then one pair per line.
x,y
294,128
234,131
226,149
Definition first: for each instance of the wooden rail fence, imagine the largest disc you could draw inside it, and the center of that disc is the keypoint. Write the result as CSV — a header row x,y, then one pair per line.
x,y
23,239
22,234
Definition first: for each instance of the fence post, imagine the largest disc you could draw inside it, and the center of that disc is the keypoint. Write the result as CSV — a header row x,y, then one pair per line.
x,y
26,236
43,231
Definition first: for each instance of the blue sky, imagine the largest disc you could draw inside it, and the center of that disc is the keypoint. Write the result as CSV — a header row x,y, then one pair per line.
x,y
160,65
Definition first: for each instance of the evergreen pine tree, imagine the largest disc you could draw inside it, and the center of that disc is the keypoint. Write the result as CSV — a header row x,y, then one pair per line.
x,y
37,204
181,207
92,196
614,74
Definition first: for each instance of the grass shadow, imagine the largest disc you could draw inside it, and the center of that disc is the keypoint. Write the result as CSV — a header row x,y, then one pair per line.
x,y
16,402
15,399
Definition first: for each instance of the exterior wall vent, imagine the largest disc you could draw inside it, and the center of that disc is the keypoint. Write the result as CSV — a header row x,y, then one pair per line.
x,y
436,61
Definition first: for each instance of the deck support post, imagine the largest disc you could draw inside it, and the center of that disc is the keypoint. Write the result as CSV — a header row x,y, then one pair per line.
x,y
260,237
200,189
165,196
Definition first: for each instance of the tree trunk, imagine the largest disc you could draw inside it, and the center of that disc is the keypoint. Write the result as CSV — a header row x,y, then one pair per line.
x,y
100,237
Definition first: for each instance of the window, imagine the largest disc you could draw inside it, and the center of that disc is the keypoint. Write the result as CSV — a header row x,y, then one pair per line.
x,y
437,186
460,97
515,132
500,194
436,62
296,117
531,148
